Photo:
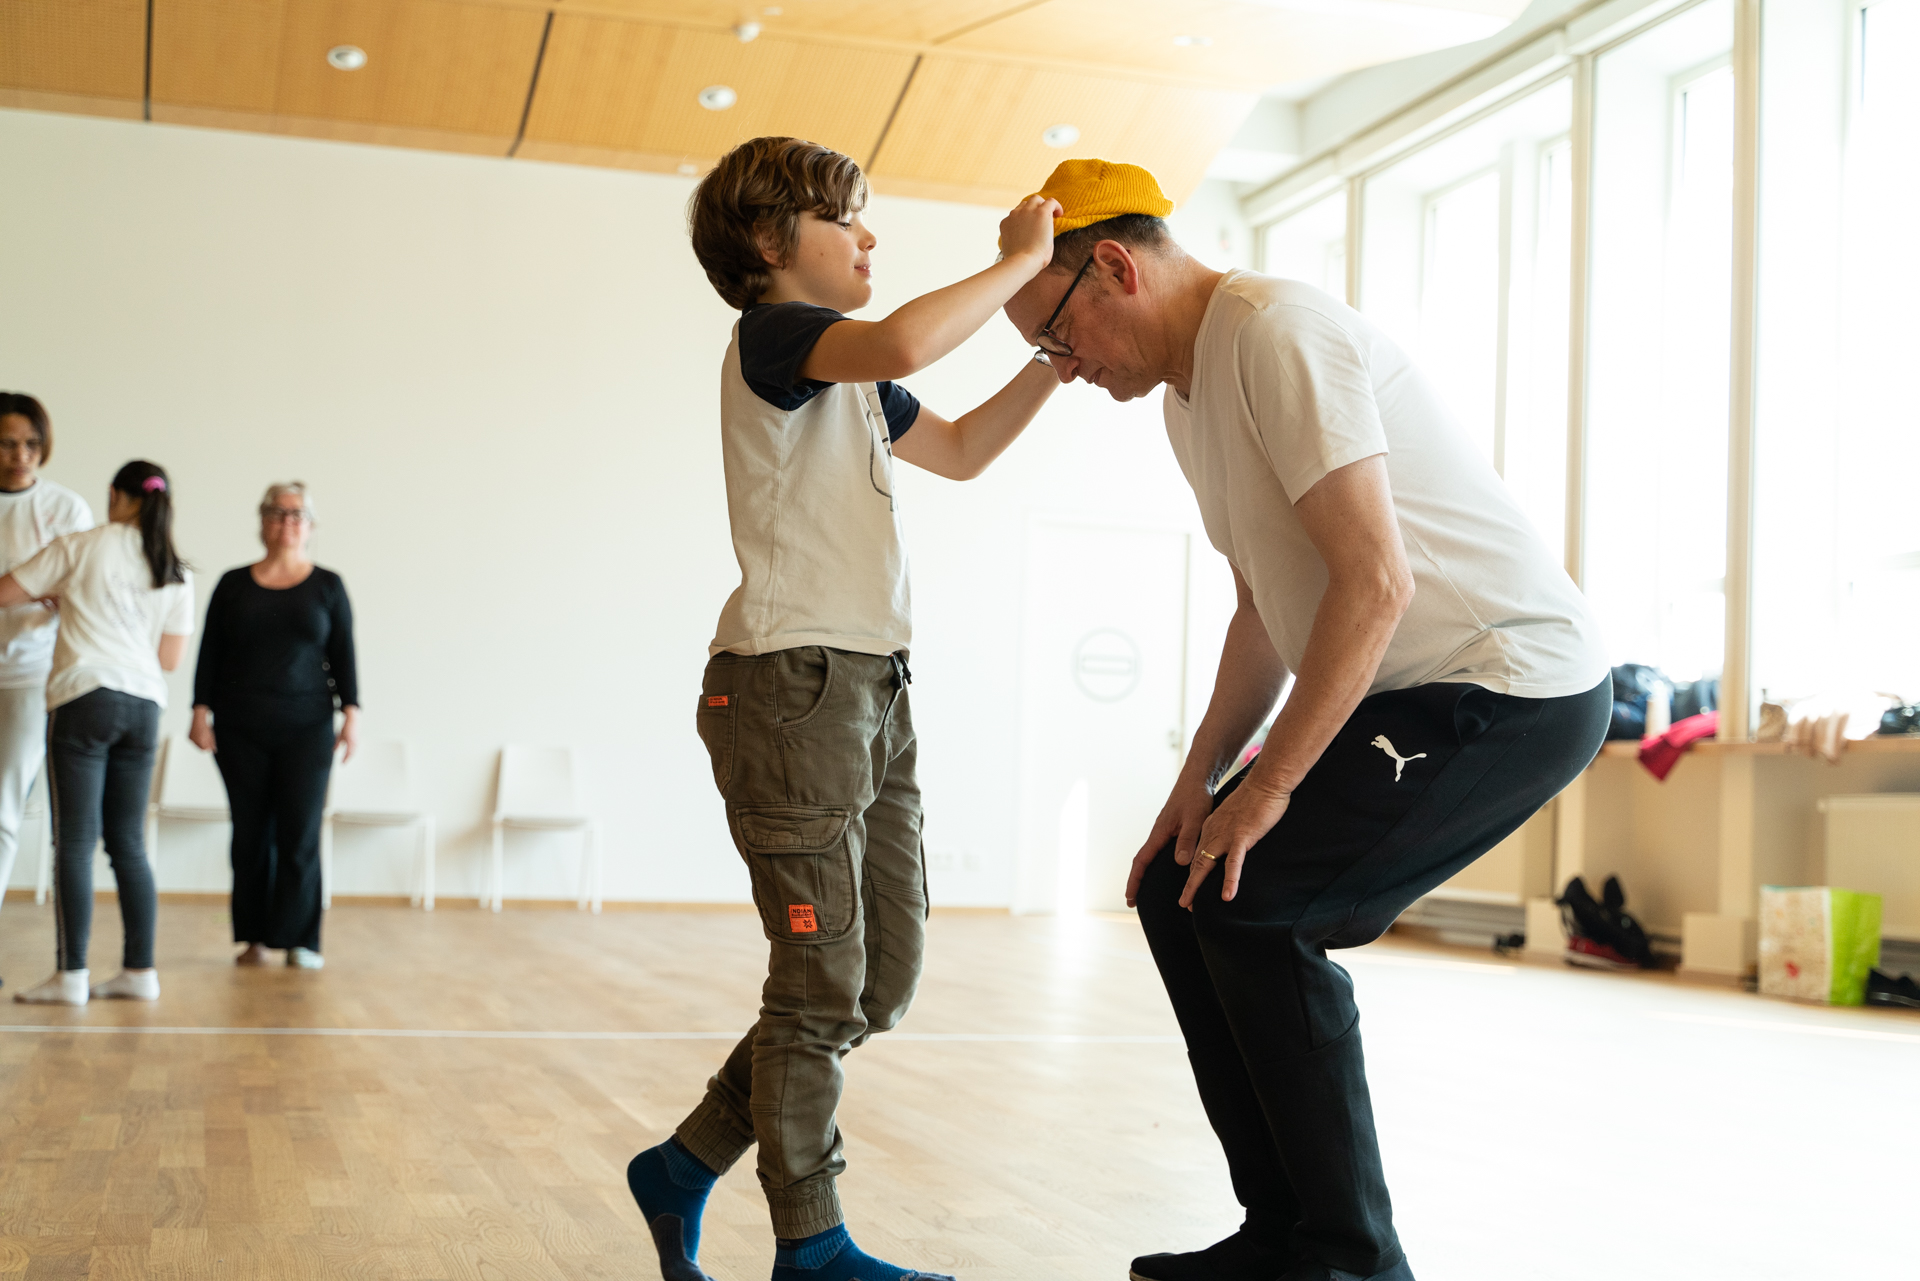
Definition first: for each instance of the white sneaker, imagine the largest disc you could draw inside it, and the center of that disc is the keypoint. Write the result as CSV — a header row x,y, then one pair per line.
x,y
302,958
66,987
130,985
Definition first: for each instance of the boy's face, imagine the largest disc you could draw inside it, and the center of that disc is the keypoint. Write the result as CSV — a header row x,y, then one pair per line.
x,y
831,264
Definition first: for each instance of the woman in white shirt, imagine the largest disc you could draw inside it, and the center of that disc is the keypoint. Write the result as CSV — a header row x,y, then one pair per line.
x,y
33,512
126,610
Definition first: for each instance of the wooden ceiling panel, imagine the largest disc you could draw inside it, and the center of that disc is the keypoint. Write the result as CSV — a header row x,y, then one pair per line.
x,y
901,21
79,49
217,53
431,64
1246,43
1173,131
633,87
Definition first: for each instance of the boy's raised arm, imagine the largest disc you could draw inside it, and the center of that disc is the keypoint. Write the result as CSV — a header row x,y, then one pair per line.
x,y
922,331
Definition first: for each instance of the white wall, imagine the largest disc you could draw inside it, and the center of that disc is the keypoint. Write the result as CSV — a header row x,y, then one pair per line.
x,y
500,379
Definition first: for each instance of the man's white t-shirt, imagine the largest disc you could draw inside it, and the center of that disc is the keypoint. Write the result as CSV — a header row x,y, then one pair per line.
x,y
1288,385
29,520
111,615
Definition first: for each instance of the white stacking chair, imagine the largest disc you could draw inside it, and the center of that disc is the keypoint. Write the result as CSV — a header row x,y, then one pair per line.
x,y
536,791
375,789
187,786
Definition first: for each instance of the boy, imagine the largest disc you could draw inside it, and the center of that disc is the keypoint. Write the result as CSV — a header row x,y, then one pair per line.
x,y
803,709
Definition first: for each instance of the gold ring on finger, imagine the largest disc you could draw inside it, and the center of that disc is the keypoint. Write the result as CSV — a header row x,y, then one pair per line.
x,y
1209,857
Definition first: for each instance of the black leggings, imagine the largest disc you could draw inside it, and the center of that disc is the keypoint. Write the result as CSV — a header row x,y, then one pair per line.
x,y
276,787
1419,783
100,763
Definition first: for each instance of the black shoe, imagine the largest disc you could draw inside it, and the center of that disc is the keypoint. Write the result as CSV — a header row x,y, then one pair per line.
x,y
1241,1257
1601,934
1884,989
1321,1272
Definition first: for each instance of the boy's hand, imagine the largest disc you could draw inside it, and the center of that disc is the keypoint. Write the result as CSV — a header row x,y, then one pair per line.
x,y
1028,230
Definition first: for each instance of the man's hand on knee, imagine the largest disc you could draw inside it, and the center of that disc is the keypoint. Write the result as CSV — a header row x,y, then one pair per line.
x,y
1229,832
1180,821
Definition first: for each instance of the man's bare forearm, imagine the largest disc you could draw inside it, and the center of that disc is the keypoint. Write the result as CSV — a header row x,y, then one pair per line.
x,y
1351,631
1248,684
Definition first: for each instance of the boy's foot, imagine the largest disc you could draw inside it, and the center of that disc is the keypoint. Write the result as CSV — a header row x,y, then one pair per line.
x,y
1240,1257
254,955
305,958
130,985
832,1256
670,1185
66,987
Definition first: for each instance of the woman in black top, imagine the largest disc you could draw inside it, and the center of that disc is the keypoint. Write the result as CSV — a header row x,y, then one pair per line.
x,y
276,657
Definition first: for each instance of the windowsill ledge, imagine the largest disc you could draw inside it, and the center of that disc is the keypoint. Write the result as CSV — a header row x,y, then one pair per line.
x,y
1895,743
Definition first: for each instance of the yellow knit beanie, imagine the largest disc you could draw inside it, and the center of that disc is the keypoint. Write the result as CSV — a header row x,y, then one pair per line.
x,y
1091,191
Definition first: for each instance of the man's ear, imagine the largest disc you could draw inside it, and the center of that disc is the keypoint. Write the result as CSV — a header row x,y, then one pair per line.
x,y
1117,263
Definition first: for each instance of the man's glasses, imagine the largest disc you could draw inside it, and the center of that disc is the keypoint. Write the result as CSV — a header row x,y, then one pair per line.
x,y
274,515
1045,340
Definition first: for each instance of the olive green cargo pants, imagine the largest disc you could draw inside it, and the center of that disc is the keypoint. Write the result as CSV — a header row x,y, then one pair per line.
x,y
813,750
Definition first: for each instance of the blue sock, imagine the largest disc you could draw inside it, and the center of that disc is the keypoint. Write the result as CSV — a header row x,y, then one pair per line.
x,y
832,1256
671,1185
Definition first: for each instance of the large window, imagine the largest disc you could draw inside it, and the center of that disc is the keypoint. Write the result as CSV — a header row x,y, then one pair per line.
x,y
1878,542
1660,326
1467,248
1465,263
1311,245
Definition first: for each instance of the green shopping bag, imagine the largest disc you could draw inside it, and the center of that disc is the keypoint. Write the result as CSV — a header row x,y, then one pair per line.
x,y
1817,943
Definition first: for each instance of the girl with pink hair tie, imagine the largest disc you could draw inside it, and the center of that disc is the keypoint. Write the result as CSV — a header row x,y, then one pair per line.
x,y
126,610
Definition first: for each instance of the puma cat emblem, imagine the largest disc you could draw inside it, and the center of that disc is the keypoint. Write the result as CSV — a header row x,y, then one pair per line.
x,y
1385,744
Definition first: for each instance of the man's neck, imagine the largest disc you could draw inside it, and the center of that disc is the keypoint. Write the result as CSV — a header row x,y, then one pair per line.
x,y
1189,289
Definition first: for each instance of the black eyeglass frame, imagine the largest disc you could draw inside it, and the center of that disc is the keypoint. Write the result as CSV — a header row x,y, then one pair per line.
x,y
1046,331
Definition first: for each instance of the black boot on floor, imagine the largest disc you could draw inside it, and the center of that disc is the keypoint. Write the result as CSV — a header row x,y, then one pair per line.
x,y
1241,1257
1321,1272
1901,993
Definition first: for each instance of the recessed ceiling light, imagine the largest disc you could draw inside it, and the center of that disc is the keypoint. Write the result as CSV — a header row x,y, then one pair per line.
x,y
1060,135
773,12
1192,42
347,57
746,31
718,97
688,170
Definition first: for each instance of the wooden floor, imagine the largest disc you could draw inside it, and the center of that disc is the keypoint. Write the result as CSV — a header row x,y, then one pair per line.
x,y
456,1096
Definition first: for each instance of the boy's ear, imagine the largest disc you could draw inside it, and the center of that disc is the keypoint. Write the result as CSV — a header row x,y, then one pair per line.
x,y
764,240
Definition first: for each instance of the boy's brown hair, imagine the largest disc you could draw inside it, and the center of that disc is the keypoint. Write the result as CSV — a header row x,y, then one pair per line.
x,y
756,195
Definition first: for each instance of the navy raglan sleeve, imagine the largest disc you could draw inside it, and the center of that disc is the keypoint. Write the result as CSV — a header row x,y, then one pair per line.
x,y
775,341
900,406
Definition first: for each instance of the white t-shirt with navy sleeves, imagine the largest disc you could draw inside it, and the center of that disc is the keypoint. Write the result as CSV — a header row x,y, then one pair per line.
x,y
810,498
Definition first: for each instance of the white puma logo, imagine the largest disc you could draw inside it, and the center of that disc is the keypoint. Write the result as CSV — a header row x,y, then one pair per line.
x,y
1399,762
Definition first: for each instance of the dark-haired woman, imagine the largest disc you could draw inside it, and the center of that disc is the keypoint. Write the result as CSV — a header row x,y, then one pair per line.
x,y
33,512
276,656
126,610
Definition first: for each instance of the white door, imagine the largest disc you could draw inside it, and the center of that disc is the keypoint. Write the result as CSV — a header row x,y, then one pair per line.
x,y
1104,676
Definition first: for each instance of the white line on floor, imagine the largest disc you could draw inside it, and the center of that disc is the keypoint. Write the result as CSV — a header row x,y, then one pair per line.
x,y
1015,1038
1803,1029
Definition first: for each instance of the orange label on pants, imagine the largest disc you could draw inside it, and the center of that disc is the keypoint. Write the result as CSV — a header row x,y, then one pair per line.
x,y
800,918
716,700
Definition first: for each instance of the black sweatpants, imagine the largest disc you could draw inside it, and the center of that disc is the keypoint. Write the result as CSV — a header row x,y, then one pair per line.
x,y
1419,783
276,787
99,768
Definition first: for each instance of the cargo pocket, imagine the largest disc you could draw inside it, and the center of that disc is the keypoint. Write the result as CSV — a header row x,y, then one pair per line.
x,y
802,869
715,723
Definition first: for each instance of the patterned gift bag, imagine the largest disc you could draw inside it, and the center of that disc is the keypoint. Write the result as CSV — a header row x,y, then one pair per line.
x,y
1817,943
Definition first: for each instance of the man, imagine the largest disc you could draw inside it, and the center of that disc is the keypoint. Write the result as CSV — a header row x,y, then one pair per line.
x,y
1448,680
